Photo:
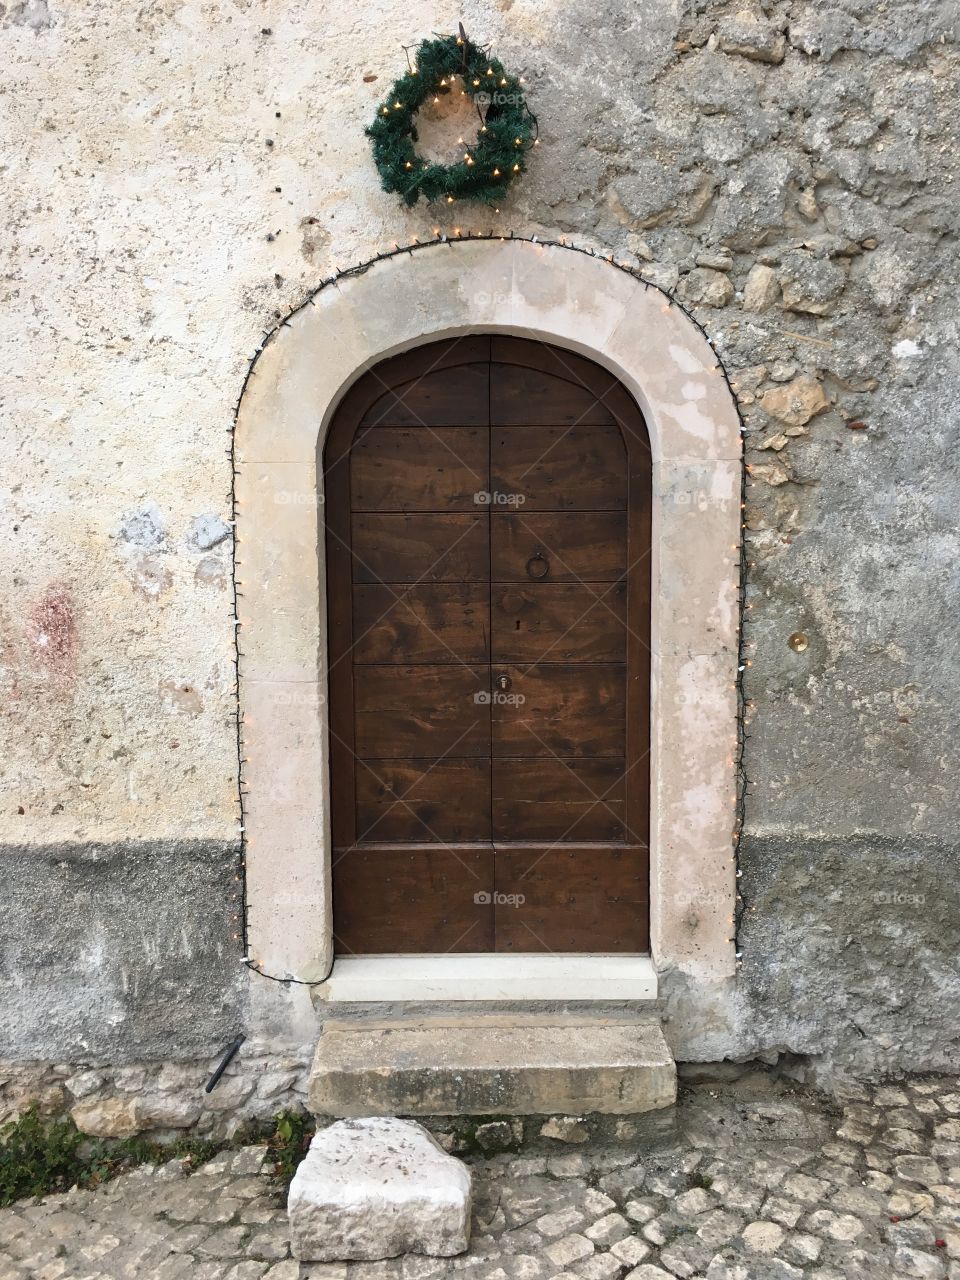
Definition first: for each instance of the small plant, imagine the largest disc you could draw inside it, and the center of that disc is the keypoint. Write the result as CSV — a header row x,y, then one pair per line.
x,y
38,1155
41,1154
288,1143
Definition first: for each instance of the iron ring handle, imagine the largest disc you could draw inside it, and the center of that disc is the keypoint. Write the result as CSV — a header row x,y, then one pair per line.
x,y
538,566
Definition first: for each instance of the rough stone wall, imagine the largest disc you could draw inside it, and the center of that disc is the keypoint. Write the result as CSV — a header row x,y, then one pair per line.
x,y
178,175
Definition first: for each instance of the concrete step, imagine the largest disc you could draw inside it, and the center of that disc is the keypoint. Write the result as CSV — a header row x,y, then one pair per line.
x,y
492,1065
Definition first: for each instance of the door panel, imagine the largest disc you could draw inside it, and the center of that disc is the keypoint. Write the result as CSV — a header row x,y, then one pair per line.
x,y
443,622
577,546
410,800
422,712
439,396
565,711
419,468
553,468
487,556
438,896
420,548
575,898
529,397
555,799
559,622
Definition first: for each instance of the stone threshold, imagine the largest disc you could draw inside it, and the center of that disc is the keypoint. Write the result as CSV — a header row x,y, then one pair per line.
x,y
490,976
484,1064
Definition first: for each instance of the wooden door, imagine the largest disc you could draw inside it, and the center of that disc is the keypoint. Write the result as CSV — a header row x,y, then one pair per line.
x,y
488,537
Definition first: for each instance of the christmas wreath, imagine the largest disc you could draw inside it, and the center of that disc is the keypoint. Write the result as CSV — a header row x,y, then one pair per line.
x,y
507,130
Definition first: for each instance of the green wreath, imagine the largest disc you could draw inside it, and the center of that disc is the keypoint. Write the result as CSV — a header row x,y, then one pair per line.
x,y
507,127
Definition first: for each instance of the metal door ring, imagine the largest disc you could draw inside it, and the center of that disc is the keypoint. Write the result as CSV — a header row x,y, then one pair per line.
x,y
538,566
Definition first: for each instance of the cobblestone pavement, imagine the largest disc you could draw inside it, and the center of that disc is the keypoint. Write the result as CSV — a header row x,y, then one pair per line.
x,y
761,1184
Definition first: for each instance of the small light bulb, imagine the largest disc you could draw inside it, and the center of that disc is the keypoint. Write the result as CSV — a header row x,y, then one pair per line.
x,y
496,173
516,168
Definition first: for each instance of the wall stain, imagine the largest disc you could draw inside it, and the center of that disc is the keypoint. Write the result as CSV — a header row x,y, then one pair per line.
x,y
52,632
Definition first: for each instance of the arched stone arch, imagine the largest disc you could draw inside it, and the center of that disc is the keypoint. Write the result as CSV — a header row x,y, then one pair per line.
x,y
573,300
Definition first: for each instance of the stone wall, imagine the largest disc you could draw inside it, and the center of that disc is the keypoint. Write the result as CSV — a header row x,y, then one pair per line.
x,y
179,176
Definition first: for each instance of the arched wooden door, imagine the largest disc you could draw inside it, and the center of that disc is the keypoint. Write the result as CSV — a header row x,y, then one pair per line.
x,y
488,538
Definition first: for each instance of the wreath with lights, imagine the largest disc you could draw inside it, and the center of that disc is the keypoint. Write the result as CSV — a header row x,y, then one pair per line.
x,y
507,130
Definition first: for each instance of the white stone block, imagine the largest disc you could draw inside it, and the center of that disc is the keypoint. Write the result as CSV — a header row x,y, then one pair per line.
x,y
375,1188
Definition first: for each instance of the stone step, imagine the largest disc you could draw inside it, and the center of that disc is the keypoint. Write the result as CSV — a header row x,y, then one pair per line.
x,y
492,1065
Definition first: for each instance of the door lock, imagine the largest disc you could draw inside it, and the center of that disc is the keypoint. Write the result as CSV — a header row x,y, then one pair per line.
x,y
503,683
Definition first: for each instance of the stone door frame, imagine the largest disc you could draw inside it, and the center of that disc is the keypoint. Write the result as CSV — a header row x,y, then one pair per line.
x,y
572,300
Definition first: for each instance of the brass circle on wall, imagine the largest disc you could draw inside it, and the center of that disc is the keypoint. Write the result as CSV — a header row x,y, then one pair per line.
x,y
798,642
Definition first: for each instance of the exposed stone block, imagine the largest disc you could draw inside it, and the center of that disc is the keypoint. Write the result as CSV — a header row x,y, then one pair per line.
x,y
375,1188
747,34
107,1117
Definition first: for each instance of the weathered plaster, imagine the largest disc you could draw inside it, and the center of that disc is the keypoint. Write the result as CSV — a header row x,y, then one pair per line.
x,y
805,209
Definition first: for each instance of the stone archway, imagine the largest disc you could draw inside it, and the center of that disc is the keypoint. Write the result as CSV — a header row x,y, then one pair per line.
x,y
569,299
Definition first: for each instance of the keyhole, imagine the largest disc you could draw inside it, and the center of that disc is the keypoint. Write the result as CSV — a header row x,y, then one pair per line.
x,y
518,624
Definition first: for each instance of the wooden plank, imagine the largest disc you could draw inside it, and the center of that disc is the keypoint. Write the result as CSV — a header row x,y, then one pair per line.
x,y
559,622
579,546
566,711
552,468
574,898
531,397
418,547
551,799
419,468
422,800
396,899
439,622
445,397
421,712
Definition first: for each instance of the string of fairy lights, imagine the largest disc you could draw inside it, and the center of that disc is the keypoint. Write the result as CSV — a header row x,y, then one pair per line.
x,y
736,759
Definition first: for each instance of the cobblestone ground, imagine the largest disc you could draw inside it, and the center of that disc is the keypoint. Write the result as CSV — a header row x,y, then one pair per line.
x,y
761,1184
